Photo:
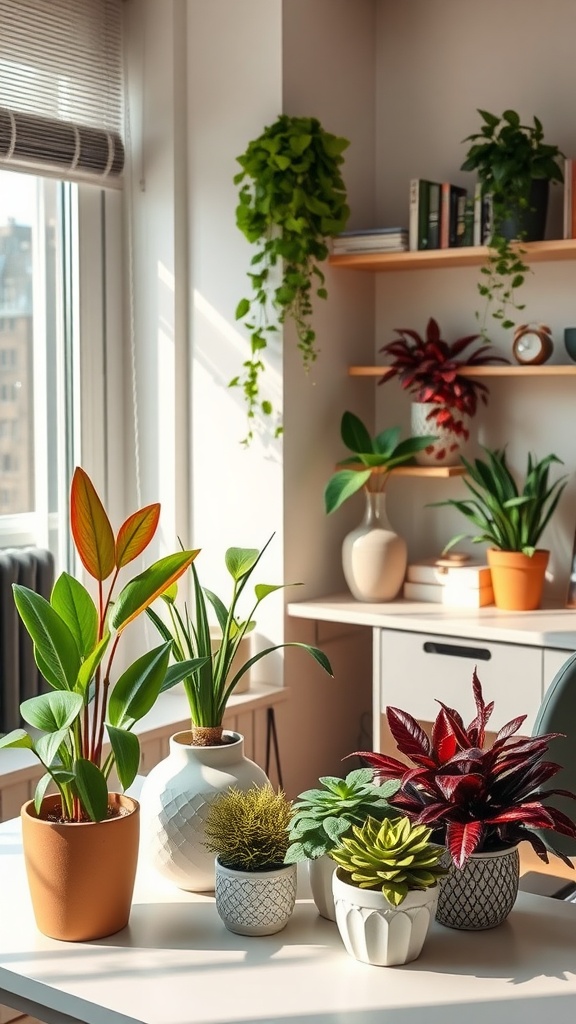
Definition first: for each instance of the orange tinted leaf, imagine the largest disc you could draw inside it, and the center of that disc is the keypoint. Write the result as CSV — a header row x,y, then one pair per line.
x,y
136,533
140,592
91,529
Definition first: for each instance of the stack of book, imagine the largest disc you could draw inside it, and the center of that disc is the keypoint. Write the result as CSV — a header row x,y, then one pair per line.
x,y
462,586
441,215
570,198
371,240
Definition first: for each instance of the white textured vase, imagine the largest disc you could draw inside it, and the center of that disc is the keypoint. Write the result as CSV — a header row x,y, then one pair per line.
x,y
320,873
375,932
447,449
255,902
374,557
175,800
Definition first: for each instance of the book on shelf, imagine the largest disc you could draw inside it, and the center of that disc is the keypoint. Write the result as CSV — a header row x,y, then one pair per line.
x,y
371,240
449,594
432,570
424,198
452,215
482,217
569,198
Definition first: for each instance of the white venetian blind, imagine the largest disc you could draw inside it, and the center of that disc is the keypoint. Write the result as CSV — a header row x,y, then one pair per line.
x,y
61,88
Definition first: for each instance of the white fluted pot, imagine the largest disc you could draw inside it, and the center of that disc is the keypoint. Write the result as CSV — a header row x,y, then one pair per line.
x,y
175,800
374,557
320,873
255,902
375,932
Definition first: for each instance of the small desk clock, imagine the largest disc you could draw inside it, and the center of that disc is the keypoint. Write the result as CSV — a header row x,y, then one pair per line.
x,y
532,344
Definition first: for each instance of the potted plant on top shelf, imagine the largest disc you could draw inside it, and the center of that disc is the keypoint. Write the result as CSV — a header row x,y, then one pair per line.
x,y
292,199
321,817
374,557
203,760
80,881
386,889
511,521
481,798
443,400
248,831
515,167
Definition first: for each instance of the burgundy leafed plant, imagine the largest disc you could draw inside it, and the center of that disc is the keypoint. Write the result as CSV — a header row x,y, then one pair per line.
x,y
428,368
481,798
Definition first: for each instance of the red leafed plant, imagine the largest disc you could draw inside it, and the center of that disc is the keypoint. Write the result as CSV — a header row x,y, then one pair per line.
x,y
481,798
428,369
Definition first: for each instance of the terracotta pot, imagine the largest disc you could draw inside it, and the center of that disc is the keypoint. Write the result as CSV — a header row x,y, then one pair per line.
x,y
81,875
517,579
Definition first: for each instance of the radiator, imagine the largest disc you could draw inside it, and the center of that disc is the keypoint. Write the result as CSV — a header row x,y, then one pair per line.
x,y
19,677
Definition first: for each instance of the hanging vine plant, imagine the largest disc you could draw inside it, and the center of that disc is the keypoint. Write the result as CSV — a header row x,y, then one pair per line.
x,y
292,199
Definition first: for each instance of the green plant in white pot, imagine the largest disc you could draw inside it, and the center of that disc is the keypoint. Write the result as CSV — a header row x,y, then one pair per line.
x,y
204,760
374,556
83,728
388,870
248,832
321,817
511,519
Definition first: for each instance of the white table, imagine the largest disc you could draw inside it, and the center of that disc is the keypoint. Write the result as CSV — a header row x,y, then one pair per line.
x,y
177,964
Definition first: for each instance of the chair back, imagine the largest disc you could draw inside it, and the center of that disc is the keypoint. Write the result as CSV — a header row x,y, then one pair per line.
x,y
558,714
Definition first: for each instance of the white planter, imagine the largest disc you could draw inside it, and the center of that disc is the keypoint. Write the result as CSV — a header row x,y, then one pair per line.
x,y
255,902
447,449
482,893
320,873
374,557
175,800
375,932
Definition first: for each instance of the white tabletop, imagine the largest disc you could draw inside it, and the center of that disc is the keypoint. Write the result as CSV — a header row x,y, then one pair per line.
x,y
177,964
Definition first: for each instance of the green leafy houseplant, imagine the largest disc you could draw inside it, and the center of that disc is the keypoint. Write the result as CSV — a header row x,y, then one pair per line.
x,y
207,683
75,644
507,518
378,455
292,199
394,857
508,157
428,369
321,817
248,829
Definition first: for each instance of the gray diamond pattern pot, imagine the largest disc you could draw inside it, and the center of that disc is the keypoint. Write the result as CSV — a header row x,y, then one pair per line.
x,y
255,902
482,893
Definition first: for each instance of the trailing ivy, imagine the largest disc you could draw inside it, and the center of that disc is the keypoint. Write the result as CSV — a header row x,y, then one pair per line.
x,y
292,199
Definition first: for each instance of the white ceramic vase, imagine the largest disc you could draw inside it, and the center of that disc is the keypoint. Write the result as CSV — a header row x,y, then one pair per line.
x,y
447,449
175,800
255,902
375,932
482,893
320,873
374,557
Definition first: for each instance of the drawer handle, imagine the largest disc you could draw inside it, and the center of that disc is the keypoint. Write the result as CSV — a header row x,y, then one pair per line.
x,y
476,653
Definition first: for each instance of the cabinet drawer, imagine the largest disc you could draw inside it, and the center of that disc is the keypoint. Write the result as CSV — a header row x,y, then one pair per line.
x,y
417,668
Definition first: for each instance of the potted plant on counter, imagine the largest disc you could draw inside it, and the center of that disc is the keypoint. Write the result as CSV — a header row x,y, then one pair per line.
x,y
515,167
374,557
321,817
248,832
203,761
81,843
511,520
386,889
444,401
292,200
481,799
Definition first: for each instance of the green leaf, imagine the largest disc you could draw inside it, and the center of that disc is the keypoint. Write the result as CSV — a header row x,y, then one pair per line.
x,y
47,746
92,789
16,738
295,854
75,606
335,828
137,689
126,749
263,589
342,486
240,561
51,636
354,434
88,667
176,673
52,711
242,309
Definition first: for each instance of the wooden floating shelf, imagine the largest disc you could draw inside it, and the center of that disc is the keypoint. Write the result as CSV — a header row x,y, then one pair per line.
x,y
514,370
413,470
468,256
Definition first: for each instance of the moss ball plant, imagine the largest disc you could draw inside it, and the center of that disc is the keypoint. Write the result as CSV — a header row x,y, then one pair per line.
x,y
248,830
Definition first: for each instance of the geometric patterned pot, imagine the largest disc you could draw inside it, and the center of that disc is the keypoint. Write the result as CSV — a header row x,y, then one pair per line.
x,y
482,893
255,902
